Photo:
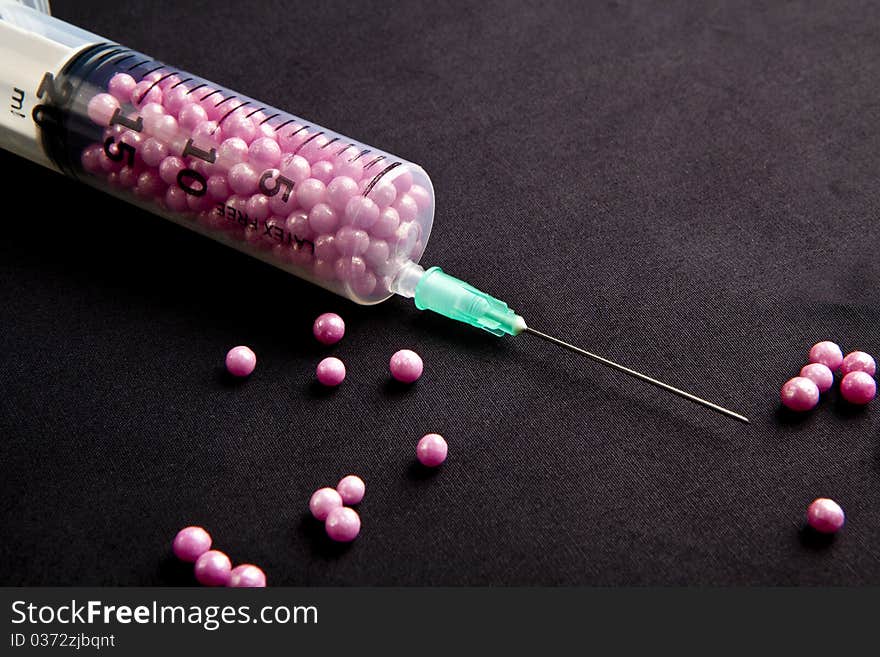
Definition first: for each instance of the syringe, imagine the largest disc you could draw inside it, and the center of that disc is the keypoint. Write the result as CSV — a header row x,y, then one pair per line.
x,y
331,210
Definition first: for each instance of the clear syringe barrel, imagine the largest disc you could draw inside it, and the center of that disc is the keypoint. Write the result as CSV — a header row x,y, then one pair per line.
x,y
308,200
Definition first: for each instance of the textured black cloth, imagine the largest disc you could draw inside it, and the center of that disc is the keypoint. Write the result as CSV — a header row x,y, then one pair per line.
x,y
689,188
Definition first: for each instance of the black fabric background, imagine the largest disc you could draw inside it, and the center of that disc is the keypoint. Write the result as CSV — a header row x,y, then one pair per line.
x,y
689,188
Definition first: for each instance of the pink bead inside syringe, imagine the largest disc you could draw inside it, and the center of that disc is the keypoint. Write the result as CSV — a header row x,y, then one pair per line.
x,y
313,202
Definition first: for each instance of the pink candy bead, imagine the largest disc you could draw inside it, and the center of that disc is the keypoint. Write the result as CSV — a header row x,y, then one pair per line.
x,y
323,219
191,115
323,501
247,576
431,450
858,387
175,199
827,353
328,328
91,158
213,568
144,92
153,152
241,127
825,516
343,524
351,241
818,374
322,171
383,194
241,361
360,212
175,98
330,371
351,488
149,184
121,85
169,168
309,193
232,151
421,196
101,108
264,153
387,223
858,361
799,394
258,207
191,543
406,366
243,179
340,190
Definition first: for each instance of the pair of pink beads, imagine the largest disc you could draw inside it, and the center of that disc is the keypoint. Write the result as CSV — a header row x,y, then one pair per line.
x,y
825,516
405,365
857,386
328,505
329,328
213,567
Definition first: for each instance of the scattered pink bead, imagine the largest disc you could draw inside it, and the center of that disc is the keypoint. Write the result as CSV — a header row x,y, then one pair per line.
x,y
213,568
818,374
247,576
351,488
858,387
323,501
241,361
827,353
825,516
329,328
858,361
799,394
191,543
330,371
431,450
406,366
343,524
